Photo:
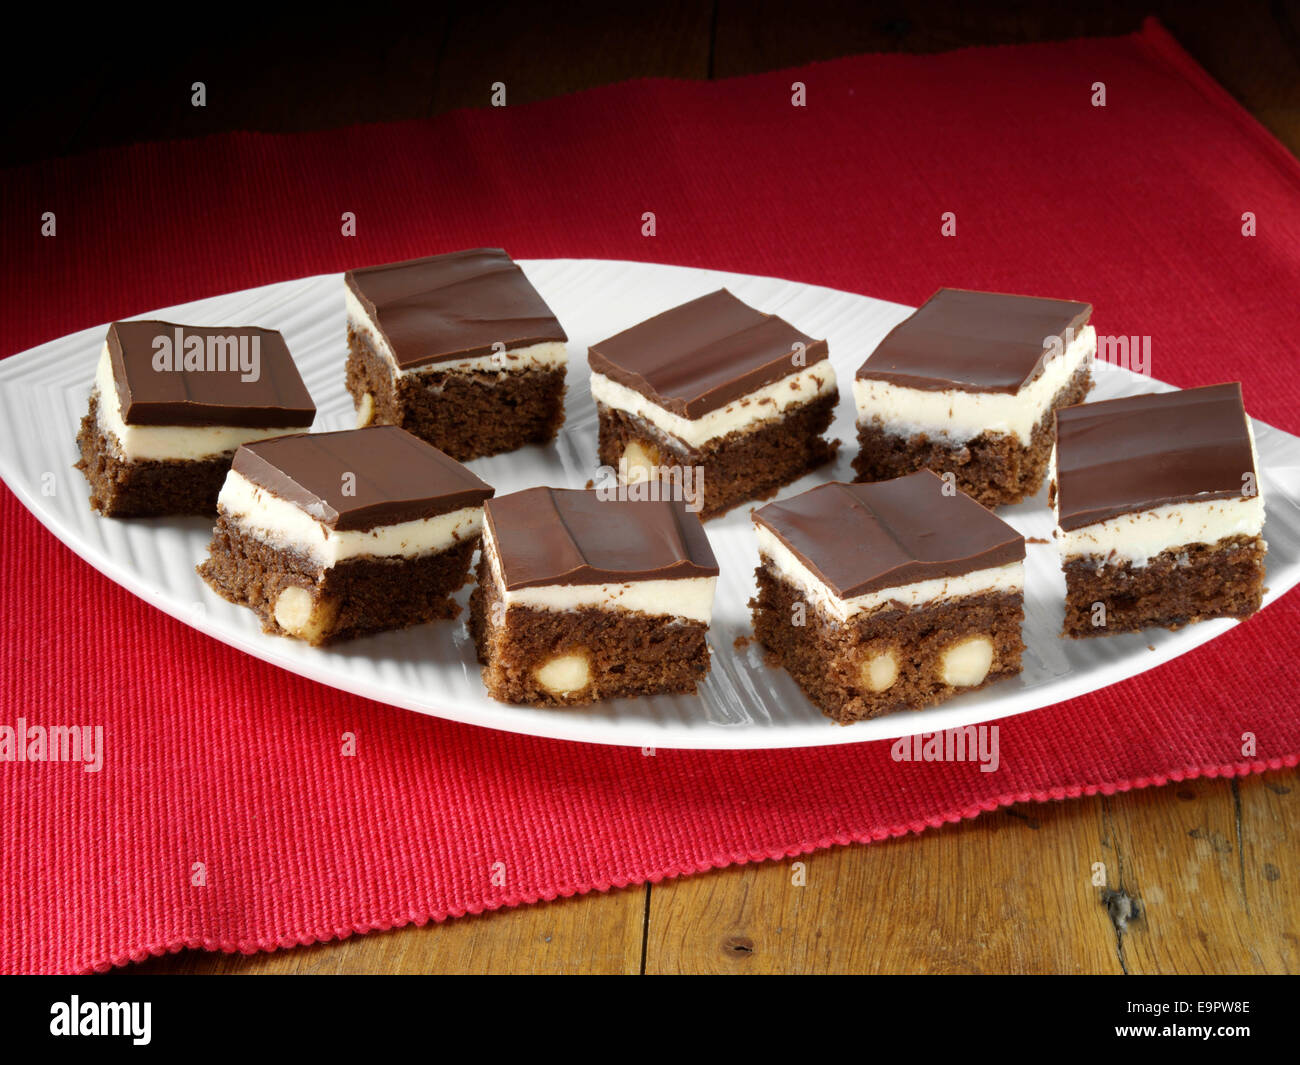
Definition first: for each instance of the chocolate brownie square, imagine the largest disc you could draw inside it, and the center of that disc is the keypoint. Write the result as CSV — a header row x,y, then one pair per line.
x,y
1159,511
888,596
458,349
327,536
170,405
967,386
582,597
725,403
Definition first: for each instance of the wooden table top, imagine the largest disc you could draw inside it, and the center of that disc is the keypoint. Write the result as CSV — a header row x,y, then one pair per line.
x,y
1198,877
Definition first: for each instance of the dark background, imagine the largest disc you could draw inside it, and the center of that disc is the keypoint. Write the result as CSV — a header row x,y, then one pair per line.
x,y
76,80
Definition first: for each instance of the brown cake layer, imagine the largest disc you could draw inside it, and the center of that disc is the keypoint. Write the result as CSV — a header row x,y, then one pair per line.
x,y
628,653
825,656
149,487
355,597
741,466
467,415
1175,588
994,468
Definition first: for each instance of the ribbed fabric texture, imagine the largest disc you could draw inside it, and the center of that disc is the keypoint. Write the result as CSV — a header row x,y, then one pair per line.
x,y
215,758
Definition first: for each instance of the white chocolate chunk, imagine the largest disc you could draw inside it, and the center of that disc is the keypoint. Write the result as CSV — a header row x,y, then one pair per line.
x,y
639,463
967,663
564,674
299,614
880,671
365,410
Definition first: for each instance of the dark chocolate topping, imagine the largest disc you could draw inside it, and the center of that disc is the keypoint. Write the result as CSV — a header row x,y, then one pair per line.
x,y
570,536
700,356
974,341
1121,456
153,391
454,306
861,538
396,477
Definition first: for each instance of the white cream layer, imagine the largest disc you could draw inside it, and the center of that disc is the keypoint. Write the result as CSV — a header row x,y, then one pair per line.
x,y
688,598
548,355
960,416
1135,539
1002,579
281,524
763,404
136,443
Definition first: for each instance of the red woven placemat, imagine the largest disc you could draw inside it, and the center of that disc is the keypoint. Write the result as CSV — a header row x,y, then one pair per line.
x,y
213,757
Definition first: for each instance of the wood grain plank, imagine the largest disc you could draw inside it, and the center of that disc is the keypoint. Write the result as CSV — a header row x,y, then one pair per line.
x,y
1179,867
1008,892
595,934
1270,864
105,86
108,84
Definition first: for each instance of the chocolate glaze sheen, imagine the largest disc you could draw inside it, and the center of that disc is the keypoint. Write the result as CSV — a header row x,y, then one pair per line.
x,y
702,355
276,400
549,536
1121,456
861,538
453,306
397,476
973,341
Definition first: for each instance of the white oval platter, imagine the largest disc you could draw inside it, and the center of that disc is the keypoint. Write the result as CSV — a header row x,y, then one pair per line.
x,y
432,669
